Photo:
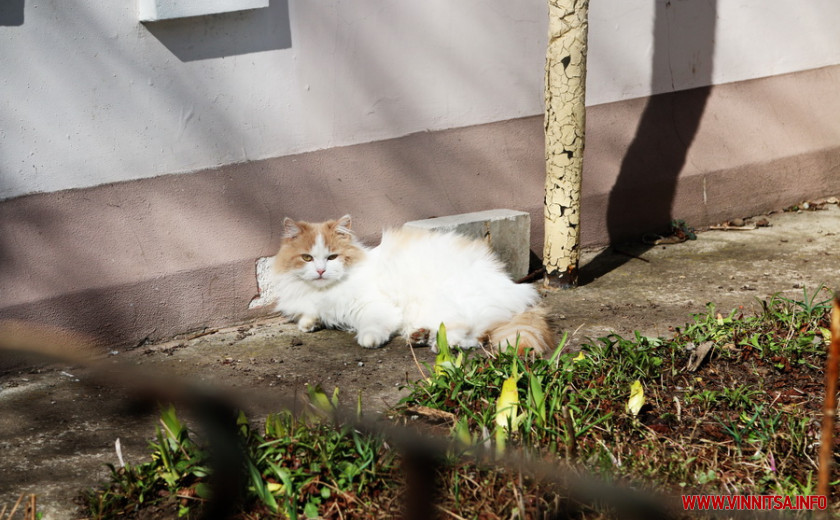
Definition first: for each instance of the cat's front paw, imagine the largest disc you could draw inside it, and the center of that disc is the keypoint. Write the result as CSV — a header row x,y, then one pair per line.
x,y
308,324
418,337
372,339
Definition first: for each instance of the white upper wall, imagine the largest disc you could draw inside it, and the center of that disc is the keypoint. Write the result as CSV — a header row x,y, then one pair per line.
x,y
88,95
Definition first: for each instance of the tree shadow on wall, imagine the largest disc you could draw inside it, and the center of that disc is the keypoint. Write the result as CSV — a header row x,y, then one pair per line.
x,y
641,199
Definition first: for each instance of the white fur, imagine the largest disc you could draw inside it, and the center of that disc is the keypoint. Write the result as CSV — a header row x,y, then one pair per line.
x,y
412,280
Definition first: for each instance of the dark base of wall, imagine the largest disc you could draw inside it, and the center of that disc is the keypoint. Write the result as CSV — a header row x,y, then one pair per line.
x,y
151,258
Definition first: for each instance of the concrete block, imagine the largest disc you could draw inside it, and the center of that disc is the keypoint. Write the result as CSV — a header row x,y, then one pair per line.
x,y
508,232
265,276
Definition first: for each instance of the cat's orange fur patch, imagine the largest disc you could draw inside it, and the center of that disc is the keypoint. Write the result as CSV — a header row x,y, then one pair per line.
x,y
526,330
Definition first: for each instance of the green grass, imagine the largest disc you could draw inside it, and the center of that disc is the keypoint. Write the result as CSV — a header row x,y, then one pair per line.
x,y
745,422
296,467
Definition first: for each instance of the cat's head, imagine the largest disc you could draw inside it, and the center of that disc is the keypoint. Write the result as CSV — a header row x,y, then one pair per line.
x,y
318,253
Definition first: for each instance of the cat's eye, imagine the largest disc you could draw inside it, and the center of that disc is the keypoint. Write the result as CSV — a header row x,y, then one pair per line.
x,y
332,257
306,258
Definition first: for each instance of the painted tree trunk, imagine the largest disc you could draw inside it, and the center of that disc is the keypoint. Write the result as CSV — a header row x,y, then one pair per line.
x,y
565,119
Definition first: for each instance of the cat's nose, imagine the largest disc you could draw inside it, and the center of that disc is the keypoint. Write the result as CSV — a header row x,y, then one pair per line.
x,y
321,272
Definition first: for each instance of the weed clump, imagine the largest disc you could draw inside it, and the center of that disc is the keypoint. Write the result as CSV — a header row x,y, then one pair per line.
x,y
297,467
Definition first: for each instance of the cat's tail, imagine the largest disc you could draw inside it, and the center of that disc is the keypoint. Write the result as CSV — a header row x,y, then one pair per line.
x,y
529,329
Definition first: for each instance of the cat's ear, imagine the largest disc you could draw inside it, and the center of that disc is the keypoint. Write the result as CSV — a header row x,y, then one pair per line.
x,y
343,225
290,228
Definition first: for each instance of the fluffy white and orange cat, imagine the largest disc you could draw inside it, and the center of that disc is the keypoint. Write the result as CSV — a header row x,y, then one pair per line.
x,y
409,284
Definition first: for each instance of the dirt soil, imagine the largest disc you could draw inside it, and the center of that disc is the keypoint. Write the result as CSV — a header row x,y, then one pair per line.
x,y
57,431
